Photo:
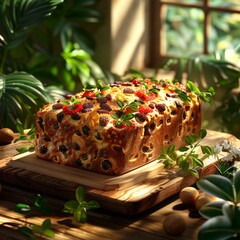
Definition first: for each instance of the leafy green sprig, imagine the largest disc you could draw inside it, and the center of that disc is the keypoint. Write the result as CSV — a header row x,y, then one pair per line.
x,y
183,95
79,207
32,230
223,216
25,136
38,202
99,86
189,159
226,169
123,118
43,230
205,96
72,101
124,105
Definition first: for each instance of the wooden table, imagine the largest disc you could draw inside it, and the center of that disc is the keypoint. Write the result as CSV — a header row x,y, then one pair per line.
x,y
102,223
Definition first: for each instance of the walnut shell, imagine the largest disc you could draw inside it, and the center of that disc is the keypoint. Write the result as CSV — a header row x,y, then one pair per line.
x,y
6,136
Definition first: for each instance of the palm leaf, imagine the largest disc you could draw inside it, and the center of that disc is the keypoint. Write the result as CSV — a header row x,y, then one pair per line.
x,y
21,95
18,16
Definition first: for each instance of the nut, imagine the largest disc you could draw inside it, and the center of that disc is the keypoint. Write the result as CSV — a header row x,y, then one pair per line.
x,y
203,199
188,195
6,136
174,224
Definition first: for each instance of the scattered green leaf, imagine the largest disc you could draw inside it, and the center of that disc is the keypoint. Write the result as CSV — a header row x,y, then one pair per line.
x,y
22,208
79,207
29,137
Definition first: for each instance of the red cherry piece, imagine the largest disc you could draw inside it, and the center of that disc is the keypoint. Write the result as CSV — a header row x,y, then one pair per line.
x,y
147,80
88,94
143,96
136,81
73,109
144,109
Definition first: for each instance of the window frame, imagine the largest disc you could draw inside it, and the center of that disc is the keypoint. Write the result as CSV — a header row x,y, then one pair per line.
x,y
157,8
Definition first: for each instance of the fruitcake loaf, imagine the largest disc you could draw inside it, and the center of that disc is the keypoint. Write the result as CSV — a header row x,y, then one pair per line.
x,y
115,128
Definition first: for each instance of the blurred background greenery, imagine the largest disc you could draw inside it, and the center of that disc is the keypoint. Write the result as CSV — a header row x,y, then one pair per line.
x,y
48,48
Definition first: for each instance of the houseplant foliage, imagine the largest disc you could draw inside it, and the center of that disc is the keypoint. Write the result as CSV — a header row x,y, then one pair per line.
x,y
217,71
59,50
43,51
20,92
223,216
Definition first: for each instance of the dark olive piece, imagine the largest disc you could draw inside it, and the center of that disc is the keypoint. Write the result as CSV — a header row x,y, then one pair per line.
x,y
152,105
88,105
126,84
40,122
117,148
75,117
98,136
160,107
46,138
63,148
85,157
102,100
86,130
146,149
119,113
108,97
57,106
43,150
173,112
103,121
106,165
78,163
141,117
85,110
60,116
76,146
105,107
104,153
102,111
152,126
128,90
147,131
78,133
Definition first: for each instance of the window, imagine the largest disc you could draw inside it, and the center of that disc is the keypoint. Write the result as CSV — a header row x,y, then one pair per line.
x,y
184,27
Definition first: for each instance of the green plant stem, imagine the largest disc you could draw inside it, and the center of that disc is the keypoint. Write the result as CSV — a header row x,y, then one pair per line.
x,y
192,149
5,52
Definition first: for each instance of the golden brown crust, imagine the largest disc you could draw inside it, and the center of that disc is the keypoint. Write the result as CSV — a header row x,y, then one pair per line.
x,y
86,133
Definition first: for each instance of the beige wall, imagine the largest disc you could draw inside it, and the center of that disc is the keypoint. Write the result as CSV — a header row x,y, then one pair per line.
x,y
122,40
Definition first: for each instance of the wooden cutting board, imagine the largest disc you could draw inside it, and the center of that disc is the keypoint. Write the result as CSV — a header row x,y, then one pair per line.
x,y
130,193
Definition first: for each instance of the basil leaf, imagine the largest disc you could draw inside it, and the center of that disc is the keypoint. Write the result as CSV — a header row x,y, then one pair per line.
x,y
22,208
202,133
80,194
120,103
127,116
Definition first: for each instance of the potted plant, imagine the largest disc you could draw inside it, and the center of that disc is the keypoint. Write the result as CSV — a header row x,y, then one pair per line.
x,y
219,72
43,53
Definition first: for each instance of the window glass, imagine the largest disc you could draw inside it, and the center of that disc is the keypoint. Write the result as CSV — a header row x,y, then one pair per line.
x,y
183,31
186,1
225,3
225,31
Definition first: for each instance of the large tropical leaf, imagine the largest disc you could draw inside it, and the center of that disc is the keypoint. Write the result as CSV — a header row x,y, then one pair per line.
x,y
21,95
18,16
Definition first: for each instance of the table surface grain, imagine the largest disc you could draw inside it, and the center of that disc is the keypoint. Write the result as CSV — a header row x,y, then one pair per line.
x,y
101,224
